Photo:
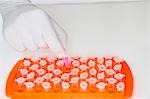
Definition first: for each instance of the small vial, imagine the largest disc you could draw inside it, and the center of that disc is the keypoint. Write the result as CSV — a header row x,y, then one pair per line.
x,y
74,83
75,63
30,76
74,80
101,67
91,63
75,71
20,80
111,80
117,67
46,86
35,59
101,75
93,57
34,67
108,63
56,80
83,59
28,57
51,59
65,76
43,62
27,63
57,72
92,71
118,60
60,63
108,57
84,75
110,72
41,71
39,80
44,56
65,86
92,80
48,76
120,86
50,67
101,86
23,72
83,67
29,86
100,60
76,57
83,85
119,76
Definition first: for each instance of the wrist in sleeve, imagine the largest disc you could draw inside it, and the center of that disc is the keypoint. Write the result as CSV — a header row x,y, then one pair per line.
x,y
9,5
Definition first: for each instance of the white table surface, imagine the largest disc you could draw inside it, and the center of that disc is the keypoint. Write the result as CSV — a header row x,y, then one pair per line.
x,y
102,29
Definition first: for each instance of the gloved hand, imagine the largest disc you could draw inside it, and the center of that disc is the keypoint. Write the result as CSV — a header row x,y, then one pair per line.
x,y
27,27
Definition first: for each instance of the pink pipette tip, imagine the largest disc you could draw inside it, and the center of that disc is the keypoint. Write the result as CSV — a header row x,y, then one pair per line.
x,y
67,62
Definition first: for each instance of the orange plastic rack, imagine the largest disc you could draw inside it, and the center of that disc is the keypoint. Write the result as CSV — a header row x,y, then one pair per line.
x,y
71,78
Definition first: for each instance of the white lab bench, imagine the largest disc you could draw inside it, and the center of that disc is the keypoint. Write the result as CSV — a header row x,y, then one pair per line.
x,y
100,29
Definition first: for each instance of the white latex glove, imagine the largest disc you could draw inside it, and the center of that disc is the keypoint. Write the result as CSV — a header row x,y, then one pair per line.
x,y
27,27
